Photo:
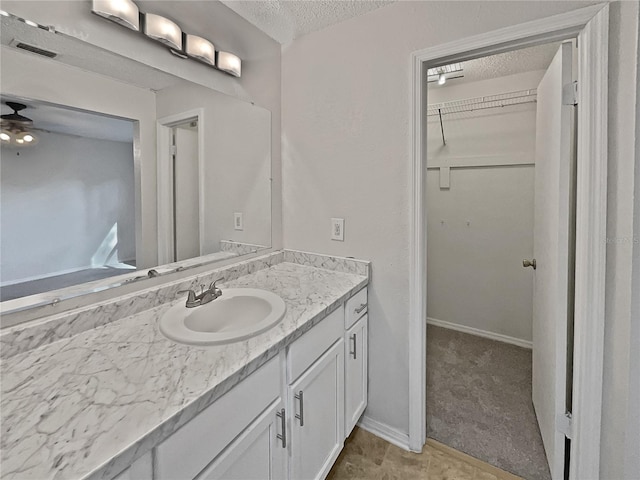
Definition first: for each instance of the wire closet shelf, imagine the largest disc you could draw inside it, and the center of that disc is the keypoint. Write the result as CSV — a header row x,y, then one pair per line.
x,y
480,103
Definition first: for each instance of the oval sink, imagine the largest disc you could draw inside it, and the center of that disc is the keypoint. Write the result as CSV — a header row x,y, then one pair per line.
x,y
238,314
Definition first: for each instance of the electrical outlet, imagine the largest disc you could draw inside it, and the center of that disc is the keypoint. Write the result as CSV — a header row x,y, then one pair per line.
x,y
238,222
337,229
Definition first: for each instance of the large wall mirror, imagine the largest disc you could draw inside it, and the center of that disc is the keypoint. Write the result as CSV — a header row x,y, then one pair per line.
x,y
112,171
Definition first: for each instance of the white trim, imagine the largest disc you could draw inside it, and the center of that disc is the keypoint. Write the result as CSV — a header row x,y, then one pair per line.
x,y
480,333
384,431
590,25
591,232
165,181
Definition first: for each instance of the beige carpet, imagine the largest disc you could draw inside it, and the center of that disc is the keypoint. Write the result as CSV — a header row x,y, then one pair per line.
x,y
479,401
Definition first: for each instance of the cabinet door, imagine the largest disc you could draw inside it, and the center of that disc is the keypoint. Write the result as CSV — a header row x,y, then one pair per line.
x,y
355,369
316,402
259,453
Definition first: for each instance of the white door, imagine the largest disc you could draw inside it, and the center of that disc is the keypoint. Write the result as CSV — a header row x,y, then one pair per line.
x,y
551,251
317,414
186,200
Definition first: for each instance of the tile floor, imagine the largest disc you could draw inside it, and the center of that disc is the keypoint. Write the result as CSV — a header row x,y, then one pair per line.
x,y
367,457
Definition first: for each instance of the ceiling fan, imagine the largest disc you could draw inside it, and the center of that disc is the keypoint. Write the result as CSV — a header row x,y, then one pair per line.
x,y
16,129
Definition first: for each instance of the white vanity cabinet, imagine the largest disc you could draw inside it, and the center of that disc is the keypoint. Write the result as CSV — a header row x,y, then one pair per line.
x,y
259,453
355,359
355,373
287,420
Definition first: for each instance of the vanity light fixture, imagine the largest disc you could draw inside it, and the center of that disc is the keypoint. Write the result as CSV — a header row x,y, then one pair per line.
x,y
230,63
123,12
163,30
200,49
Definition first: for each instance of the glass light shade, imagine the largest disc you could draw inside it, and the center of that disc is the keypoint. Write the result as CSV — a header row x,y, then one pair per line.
x,y
163,30
230,63
123,12
18,138
200,48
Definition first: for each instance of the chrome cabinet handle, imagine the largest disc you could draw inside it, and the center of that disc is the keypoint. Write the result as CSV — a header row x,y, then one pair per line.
x,y
353,338
529,263
283,425
361,307
300,397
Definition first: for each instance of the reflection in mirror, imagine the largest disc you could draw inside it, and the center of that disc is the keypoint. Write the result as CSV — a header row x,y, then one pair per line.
x,y
133,169
66,197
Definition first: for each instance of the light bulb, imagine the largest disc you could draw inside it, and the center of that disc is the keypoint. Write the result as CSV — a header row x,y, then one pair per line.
x,y
28,138
441,79
19,140
5,137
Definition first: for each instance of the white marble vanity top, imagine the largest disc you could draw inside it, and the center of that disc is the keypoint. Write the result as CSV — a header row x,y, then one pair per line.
x,y
88,405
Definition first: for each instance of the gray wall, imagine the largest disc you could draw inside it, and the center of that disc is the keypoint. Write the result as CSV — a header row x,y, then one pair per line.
x,y
346,153
60,199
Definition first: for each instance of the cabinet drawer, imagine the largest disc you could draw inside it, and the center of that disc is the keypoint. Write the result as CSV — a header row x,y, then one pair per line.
x,y
308,348
189,450
355,308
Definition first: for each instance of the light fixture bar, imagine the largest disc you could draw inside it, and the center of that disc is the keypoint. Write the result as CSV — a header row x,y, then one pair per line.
x,y
167,32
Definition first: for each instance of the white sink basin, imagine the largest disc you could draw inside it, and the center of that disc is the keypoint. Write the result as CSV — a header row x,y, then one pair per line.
x,y
239,313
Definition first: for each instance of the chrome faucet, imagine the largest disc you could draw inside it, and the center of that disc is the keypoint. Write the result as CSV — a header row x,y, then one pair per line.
x,y
204,297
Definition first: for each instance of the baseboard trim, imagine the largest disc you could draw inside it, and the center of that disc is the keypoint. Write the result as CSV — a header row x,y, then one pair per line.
x,y
480,333
384,431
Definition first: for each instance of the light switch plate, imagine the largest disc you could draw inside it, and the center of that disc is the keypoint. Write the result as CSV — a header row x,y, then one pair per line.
x,y
337,229
238,222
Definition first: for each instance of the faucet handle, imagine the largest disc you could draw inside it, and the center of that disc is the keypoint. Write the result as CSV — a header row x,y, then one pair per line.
x,y
213,284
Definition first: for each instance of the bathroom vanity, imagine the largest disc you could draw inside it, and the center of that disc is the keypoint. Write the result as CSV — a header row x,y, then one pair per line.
x,y
122,401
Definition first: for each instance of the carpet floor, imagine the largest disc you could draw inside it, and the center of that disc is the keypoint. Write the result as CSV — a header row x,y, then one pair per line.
x,y
479,401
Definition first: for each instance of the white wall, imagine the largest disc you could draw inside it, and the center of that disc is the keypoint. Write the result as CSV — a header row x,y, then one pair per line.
x,y
481,228
260,82
237,164
29,76
346,153
60,199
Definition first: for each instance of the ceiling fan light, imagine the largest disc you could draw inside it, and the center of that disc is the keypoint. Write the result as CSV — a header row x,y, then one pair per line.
x,y
163,30
123,12
28,138
5,137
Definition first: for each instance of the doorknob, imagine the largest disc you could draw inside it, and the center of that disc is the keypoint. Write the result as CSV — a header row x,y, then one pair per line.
x,y
529,263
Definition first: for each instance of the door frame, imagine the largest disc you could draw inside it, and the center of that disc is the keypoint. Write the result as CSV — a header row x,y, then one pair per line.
x,y
591,26
165,181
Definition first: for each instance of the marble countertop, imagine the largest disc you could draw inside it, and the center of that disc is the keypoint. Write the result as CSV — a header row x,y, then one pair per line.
x,y
89,405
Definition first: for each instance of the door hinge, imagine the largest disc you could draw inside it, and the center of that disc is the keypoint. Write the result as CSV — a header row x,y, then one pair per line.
x,y
570,94
174,150
563,424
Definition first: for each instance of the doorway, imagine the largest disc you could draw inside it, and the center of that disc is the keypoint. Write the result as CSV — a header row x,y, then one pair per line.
x,y
590,26
494,184
180,187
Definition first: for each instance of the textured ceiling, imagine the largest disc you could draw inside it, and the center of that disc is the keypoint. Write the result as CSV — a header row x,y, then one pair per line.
x,y
503,64
285,20
57,119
